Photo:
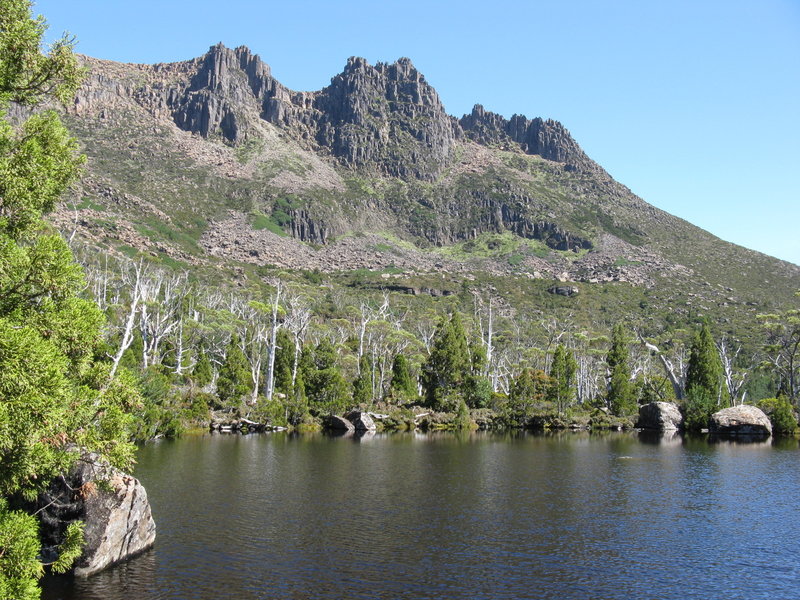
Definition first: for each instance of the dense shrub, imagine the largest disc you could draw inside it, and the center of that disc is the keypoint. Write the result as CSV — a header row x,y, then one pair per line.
x,y
780,413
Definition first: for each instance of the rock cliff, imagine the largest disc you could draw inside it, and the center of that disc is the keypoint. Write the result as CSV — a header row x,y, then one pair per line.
x,y
213,159
385,116
546,138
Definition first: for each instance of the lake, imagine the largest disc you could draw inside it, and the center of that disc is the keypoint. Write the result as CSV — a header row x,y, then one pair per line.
x,y
481,515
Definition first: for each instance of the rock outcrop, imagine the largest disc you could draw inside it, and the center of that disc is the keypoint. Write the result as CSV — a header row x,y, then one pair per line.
x,y
565,290
660,416
741,420
113,506
226,94
361,420
337,423
385,116
546,138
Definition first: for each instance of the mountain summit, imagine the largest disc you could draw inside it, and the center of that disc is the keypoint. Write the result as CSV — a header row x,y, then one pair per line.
x,y
213,159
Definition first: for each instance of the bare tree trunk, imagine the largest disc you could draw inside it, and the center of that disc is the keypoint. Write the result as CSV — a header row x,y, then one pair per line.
x,y
271,347
127,335
676,379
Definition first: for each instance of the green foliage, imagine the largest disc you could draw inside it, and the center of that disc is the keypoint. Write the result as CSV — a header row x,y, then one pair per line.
x,y
203,371
705,368
362,385
70,548
162,406
698,407
325,355
448,366
233,380
487,244
284,363
296,404
325,386
783,349
403,387
55,396
780,413
27,76
527,393
655,388
269,223
41,152
270,411
562,374
327,391
620,396
477,388
19,554
196,407
477,391
462,420
515,260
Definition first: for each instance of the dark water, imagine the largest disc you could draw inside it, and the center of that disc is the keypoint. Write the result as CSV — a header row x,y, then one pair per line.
x,y
480,516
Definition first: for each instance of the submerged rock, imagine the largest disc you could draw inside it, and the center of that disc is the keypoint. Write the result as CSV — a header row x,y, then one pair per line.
x,y
741,420
112,504
661,416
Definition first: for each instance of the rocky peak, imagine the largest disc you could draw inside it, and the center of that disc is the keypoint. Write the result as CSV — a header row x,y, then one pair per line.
x,y
226,94
219,68
386,115
546,138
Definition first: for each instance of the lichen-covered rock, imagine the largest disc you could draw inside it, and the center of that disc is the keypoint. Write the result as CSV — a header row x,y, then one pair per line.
x,y
662,416
741,420
361,421
113,506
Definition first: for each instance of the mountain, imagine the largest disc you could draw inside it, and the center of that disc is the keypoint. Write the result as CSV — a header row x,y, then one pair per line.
x,y
213,162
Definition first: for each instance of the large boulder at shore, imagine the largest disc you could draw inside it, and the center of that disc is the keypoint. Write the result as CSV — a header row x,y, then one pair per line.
x,y
361,420
337,423
741,420
113,506
661,416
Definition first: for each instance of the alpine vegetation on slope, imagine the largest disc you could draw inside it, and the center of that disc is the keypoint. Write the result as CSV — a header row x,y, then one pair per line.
x,y
213,160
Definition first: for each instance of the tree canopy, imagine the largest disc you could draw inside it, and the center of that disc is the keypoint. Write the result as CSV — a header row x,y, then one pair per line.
x,y
55,395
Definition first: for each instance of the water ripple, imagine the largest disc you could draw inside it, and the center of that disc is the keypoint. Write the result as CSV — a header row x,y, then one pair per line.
x,y
444,517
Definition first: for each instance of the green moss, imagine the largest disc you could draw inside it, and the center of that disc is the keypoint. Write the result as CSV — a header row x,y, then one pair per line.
x,y
128,251
624,262
90,204
259,222
485,245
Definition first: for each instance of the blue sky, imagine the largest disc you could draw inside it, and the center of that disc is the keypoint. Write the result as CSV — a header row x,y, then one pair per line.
x,y
694,105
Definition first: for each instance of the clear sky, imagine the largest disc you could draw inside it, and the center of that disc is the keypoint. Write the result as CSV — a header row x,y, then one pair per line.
x,y
693,104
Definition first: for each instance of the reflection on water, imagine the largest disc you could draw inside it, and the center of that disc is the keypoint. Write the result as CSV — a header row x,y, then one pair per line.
x,y
511,515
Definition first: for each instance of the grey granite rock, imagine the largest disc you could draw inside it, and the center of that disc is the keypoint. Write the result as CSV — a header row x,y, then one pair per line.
x,y
113,505
741,420
662,416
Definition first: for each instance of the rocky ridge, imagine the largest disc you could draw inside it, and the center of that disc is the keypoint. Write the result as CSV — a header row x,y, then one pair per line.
x,y
212,160
546,138
385,115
